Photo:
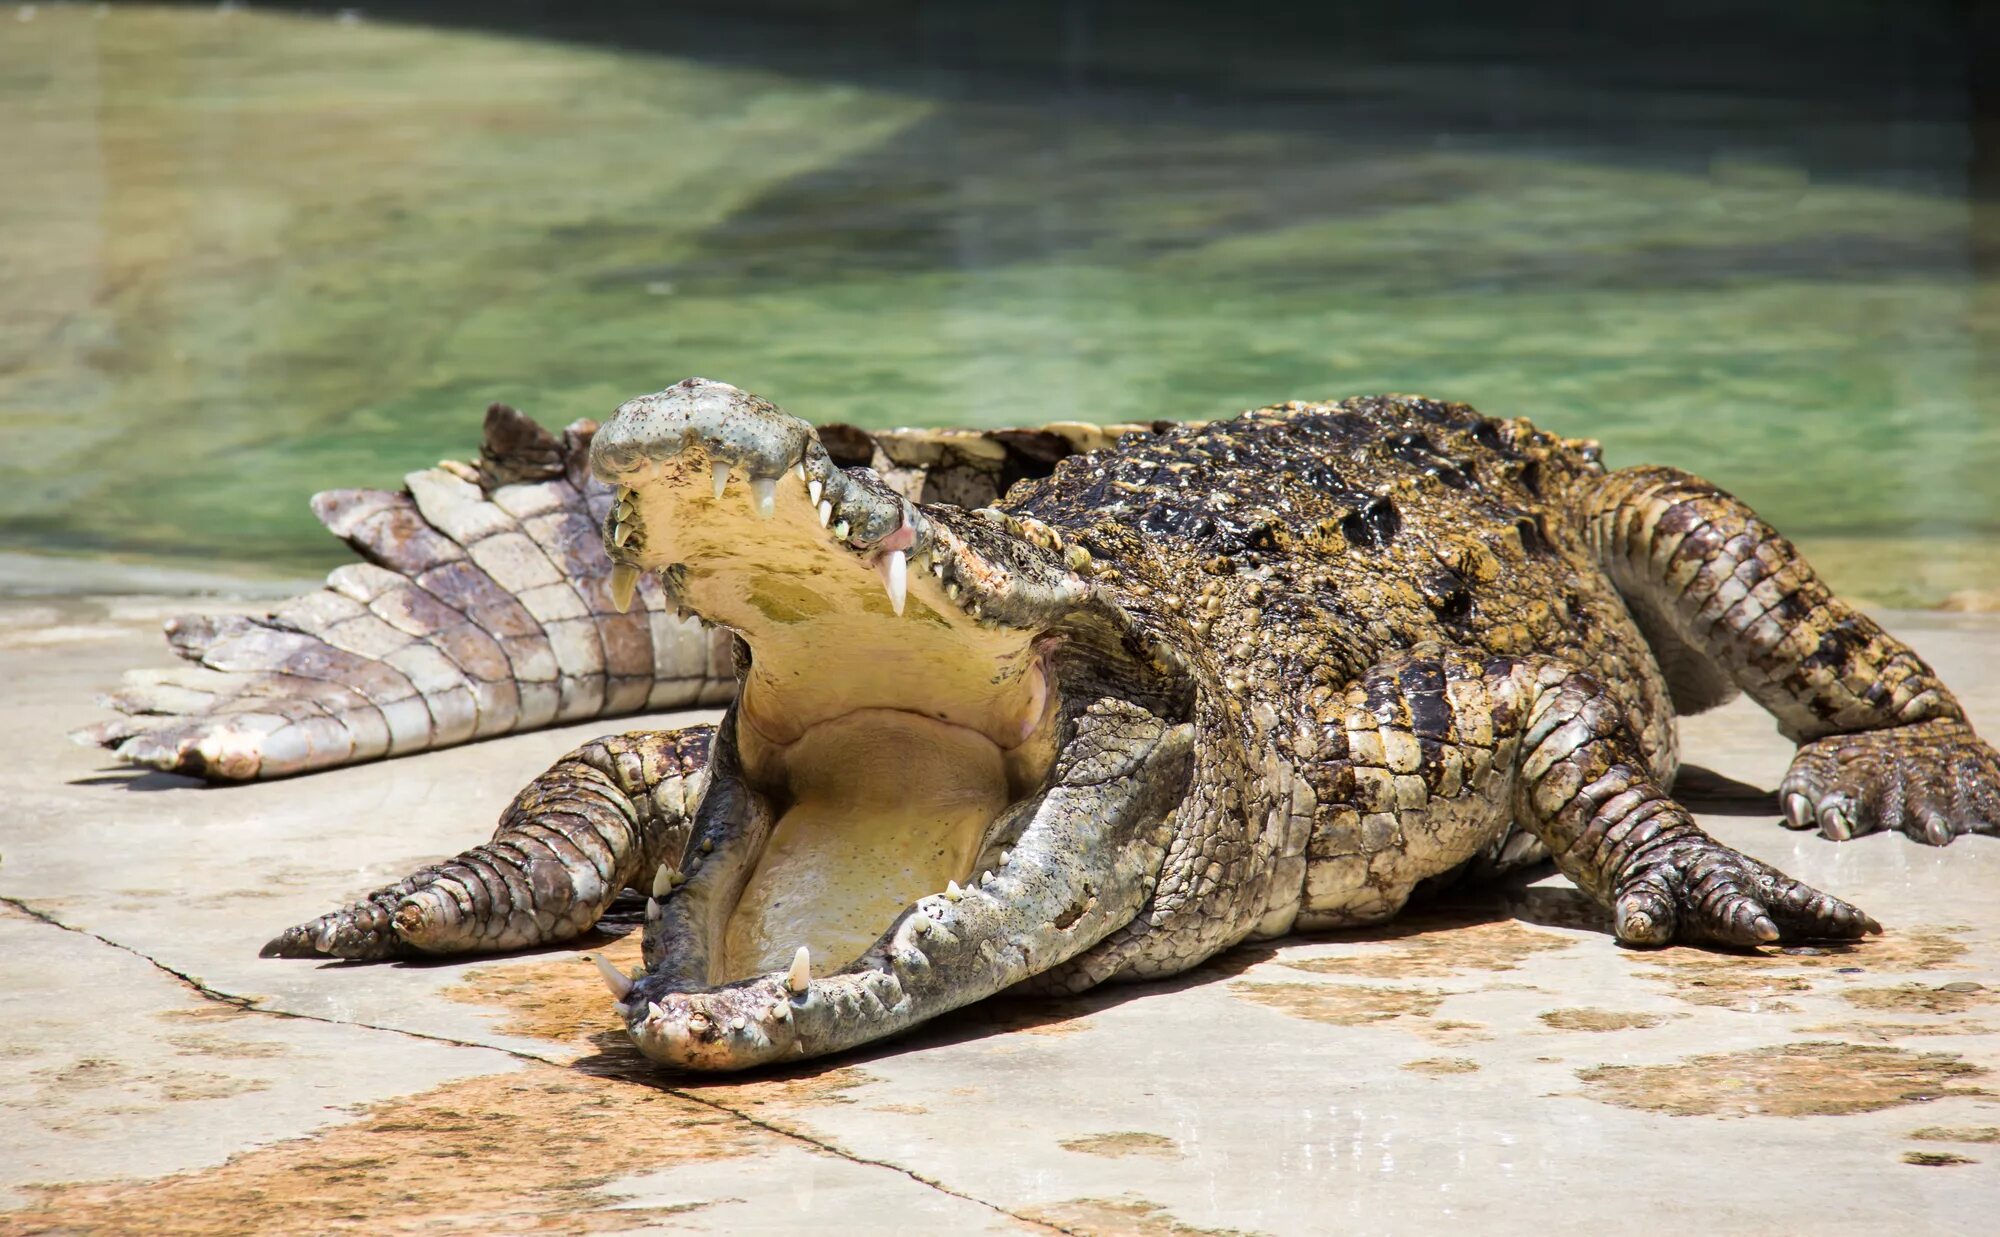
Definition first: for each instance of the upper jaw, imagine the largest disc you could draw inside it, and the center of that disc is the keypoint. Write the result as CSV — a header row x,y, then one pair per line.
x,y
755,528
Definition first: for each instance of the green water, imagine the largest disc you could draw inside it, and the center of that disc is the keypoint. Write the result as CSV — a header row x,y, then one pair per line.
x,y
244,256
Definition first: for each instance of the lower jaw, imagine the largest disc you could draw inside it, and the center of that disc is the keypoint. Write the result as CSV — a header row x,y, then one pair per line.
x,y
880,807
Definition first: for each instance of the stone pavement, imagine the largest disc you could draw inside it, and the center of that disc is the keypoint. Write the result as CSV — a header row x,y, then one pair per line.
x,y
1495,1064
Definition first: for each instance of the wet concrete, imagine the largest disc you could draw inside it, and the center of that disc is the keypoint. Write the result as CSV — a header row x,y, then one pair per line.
x,y
1496,1061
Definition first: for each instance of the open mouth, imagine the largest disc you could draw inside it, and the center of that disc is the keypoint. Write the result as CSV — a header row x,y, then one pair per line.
x,y
899,720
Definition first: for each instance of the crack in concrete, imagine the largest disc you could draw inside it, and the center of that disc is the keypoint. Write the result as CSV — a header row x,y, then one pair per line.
x,y
249,1005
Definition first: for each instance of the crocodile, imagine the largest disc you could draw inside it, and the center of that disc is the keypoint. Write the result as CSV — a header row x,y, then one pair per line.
x,y
1036,710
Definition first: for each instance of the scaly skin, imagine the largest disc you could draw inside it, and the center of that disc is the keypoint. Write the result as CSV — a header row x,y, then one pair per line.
x,y
1254,677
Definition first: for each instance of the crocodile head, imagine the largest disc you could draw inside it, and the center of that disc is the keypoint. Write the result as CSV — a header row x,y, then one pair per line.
x,y
919,686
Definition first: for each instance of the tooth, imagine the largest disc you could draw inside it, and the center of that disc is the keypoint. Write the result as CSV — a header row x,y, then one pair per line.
x,y
654,1013
920,924
618,981
663,881
985,879
825,513
799,978
952,591
764,496
1005,855
624,579
781,1011
952,892
800,468
622,509
720,473
738,1023
621,532
840,529
895,569
652,910
814,491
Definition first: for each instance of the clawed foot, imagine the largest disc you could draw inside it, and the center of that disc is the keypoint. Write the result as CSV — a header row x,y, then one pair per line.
x,y
1697,890
1933,781
364,931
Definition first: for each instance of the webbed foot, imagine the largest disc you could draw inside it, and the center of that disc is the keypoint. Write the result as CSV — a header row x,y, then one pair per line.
x,y
1931,780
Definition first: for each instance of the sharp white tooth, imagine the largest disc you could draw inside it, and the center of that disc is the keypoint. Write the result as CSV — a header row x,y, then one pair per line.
x,y
840,529
622,510
663,881
738,1023
764,496
618,981
624,579
952,892
825,513
719,472
652,910
781,1011
815,490
621,532
1005,855
895,569
920,925
654,1013
986,878
799,978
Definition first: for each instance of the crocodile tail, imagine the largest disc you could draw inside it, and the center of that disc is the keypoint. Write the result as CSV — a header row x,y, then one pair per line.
x,y
482,607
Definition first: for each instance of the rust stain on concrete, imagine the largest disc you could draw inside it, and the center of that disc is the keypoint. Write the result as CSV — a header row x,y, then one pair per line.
x,y
1763,980
1600,1020
1345,1005
1953,998
1937,1159
1123,1143
1126,1216
1793,1080
1436,1066
1959,1134
523,1152
1428,945
558,997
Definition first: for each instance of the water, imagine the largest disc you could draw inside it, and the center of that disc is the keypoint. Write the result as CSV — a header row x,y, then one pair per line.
x,y
249,254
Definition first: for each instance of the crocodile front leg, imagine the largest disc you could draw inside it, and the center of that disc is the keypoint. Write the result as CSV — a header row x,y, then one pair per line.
x,y
1088,854
1439,751
602,818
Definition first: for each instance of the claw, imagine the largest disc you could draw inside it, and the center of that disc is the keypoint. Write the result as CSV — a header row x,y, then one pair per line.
x,y
1798,811
1835,824
1937,831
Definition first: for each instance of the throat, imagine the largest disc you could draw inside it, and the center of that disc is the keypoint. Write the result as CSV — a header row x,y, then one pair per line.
x,y
881,807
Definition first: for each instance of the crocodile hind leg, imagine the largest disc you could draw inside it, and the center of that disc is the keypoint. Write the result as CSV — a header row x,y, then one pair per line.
x,y
603,818
1439,752
1731,605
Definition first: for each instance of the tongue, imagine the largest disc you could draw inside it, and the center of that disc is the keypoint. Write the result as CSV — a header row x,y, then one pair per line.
x,y
886,807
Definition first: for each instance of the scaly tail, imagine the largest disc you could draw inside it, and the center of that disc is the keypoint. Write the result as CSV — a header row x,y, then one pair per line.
x,y
483,608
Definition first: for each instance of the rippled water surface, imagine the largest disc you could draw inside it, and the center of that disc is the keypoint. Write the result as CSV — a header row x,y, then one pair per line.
x,y
246,255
